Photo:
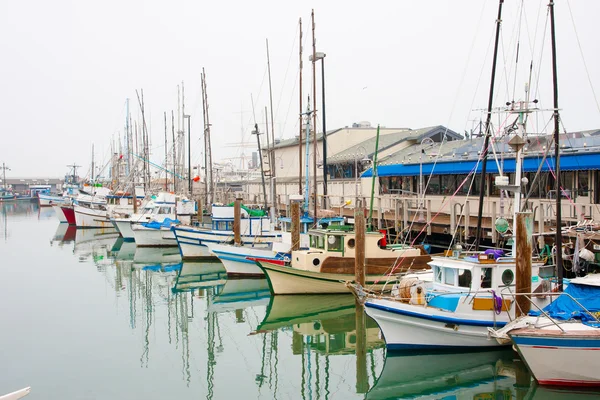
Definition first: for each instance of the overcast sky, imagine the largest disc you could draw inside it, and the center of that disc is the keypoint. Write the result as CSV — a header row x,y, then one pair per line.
x,y
67,67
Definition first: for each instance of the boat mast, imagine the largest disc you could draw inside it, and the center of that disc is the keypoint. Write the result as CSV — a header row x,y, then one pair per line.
x,y
486,141
272,151
207,145
300,114
262,171
92,176
314,59
166,158
174,152
307,185
4,168
558,238
370,222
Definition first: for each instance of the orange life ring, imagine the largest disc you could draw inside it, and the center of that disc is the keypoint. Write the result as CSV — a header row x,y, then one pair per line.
x,y
138,202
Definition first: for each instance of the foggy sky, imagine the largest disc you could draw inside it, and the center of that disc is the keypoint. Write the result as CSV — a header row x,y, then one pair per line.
x,y
66,68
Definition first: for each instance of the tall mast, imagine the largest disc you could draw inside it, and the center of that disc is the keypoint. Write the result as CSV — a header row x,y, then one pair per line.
x,y
92,166
558,238
272,150
166,158
174,153
300,115
127,140
271,168
208,148
204,131
314,78
486,141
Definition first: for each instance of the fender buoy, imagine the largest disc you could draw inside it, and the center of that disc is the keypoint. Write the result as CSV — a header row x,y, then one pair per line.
x,y
138,202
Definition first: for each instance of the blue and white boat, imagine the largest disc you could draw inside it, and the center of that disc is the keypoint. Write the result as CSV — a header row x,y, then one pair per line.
x,y
255,231
560,344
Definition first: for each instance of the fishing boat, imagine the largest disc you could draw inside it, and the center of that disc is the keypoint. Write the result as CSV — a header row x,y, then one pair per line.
x,y
48,200
329,261
255,231
239,260
559,342
155,234
16,395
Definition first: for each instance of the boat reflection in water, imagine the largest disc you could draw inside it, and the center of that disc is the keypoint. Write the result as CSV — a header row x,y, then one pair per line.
x,y
156,255
200,275
471,375
65,234
238,294
95,242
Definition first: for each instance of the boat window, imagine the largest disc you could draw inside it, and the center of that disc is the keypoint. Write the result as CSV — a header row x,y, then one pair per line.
x,y
164,210
222,225
449,276
351,243
507,277
464,278
130,201
438,274
334,243
317,241
486,278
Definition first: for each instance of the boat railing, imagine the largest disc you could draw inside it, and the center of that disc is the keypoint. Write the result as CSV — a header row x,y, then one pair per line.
x,y
526,296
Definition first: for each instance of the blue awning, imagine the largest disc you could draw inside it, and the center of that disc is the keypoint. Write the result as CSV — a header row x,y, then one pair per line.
x,y
568,162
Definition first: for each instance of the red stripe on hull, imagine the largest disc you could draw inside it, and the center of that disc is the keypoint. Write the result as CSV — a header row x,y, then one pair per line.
x,y
561,382
69,215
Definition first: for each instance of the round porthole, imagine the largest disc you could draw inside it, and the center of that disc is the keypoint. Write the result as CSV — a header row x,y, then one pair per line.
x,y
316,325
507,277
316,261
351,243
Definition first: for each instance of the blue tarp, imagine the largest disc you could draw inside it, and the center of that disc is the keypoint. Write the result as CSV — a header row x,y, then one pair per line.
x,y
167,222
568,162
564,308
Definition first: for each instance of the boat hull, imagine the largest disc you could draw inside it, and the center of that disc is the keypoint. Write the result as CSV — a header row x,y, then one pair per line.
x,y
124,228
59,213
287,280
192,242
406,326
69,213
149,237
560,359
16,395
91,218
48,201
235,259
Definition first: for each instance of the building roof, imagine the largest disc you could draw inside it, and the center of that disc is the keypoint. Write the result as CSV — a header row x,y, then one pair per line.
x,y
367,148
33,181
453,155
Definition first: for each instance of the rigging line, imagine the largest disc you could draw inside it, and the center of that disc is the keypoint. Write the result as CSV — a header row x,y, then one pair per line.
x,y
587,71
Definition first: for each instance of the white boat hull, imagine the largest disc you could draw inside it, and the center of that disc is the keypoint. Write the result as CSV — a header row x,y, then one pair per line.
x,y
192,242
48,201
407,326
16,395
235,261
123,225
557,359
288,280
148,237
91,218
59,213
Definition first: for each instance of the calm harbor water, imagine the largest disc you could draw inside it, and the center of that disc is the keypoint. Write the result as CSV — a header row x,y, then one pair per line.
x,y
86,316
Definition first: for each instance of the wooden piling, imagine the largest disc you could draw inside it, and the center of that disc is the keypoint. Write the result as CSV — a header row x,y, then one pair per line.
x,y
295,211
524,238
359,250
237,216
199,212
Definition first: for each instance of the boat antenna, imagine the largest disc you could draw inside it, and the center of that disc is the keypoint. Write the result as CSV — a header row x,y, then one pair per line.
x,y
486,141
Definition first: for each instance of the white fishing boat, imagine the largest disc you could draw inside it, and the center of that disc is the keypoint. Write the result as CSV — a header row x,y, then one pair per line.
x,y
559,343
48,200
239,260
255,231
155,234
59,214
329,262
17,394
